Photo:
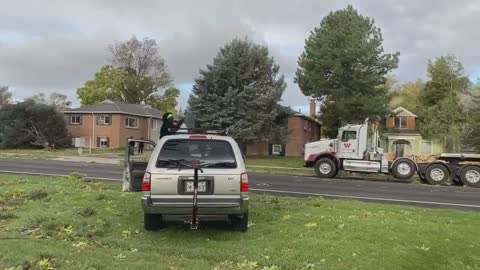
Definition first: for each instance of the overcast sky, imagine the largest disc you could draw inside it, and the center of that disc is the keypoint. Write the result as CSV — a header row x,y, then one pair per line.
x,y
48,45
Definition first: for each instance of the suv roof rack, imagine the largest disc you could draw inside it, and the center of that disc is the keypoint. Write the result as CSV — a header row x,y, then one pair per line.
x,y
222,132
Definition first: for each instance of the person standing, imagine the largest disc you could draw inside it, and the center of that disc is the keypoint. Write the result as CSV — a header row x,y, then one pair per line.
x,y
169,126
141,145
131,147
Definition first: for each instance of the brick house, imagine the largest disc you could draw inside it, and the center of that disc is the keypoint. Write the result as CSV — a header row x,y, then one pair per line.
x,y
402,137
109,124
302,129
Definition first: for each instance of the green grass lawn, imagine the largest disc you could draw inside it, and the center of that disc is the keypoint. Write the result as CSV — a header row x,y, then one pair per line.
x,y
70,223
290,165
47,153
274,161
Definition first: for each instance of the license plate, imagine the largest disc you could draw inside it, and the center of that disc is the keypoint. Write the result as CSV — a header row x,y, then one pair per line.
x,y
202,186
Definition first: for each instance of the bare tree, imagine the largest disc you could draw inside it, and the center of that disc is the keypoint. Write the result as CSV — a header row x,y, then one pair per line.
x,y
5,95
39,98
58,100
147,72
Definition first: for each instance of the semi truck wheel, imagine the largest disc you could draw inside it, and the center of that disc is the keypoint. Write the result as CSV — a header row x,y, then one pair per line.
x,y
437,174
470,176
403,169
325,168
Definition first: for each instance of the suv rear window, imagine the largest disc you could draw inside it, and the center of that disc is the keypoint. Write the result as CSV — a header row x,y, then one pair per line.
x,y
210,154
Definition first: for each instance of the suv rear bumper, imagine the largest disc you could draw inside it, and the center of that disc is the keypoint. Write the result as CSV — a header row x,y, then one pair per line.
x,y
203,209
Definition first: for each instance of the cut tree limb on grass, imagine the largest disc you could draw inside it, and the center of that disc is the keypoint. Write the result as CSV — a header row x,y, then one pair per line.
x,y
40,139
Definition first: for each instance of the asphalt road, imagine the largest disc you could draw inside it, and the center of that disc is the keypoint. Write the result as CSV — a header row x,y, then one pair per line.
x,y
384,192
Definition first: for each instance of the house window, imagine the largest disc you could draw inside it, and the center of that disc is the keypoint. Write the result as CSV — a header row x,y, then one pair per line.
x,y
276,149
75,119
401,122
131,122
104,120
153,123
349,135
103,142
426,148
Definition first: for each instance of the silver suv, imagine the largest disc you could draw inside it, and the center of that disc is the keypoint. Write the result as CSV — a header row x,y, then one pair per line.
x,y
168,180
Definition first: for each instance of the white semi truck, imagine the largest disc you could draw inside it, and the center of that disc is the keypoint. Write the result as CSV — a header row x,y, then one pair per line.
x,y
357,150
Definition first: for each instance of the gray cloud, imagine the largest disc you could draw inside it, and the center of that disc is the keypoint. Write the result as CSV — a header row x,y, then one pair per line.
x,y
423,30
56,47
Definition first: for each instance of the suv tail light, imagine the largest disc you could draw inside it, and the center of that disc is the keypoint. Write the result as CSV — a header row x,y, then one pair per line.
x,y
146,182
244,182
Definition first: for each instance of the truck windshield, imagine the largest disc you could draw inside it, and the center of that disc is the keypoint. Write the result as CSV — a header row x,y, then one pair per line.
x,y
210,153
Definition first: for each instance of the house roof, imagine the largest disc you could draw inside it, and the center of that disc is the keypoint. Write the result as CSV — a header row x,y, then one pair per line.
x,y
119,107
401,111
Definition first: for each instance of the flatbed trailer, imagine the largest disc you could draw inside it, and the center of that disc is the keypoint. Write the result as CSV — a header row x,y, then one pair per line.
x,y
459,169
357,150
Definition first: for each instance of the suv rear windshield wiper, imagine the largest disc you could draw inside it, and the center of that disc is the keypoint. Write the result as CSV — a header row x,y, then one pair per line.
x,y
177,164
220,165
170,163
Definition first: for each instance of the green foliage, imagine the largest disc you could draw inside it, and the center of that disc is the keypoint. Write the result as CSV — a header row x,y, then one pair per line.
x,y
78,180
45,264
344,66
5,216
87,212
32,125
240,91
138,74
280,131
107,84
5,95
13,198
167,102
444,121
447,76
442,115
473,120
407,95
37,195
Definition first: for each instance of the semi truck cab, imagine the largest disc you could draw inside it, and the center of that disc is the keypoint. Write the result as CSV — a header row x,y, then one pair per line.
x,y
355,149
